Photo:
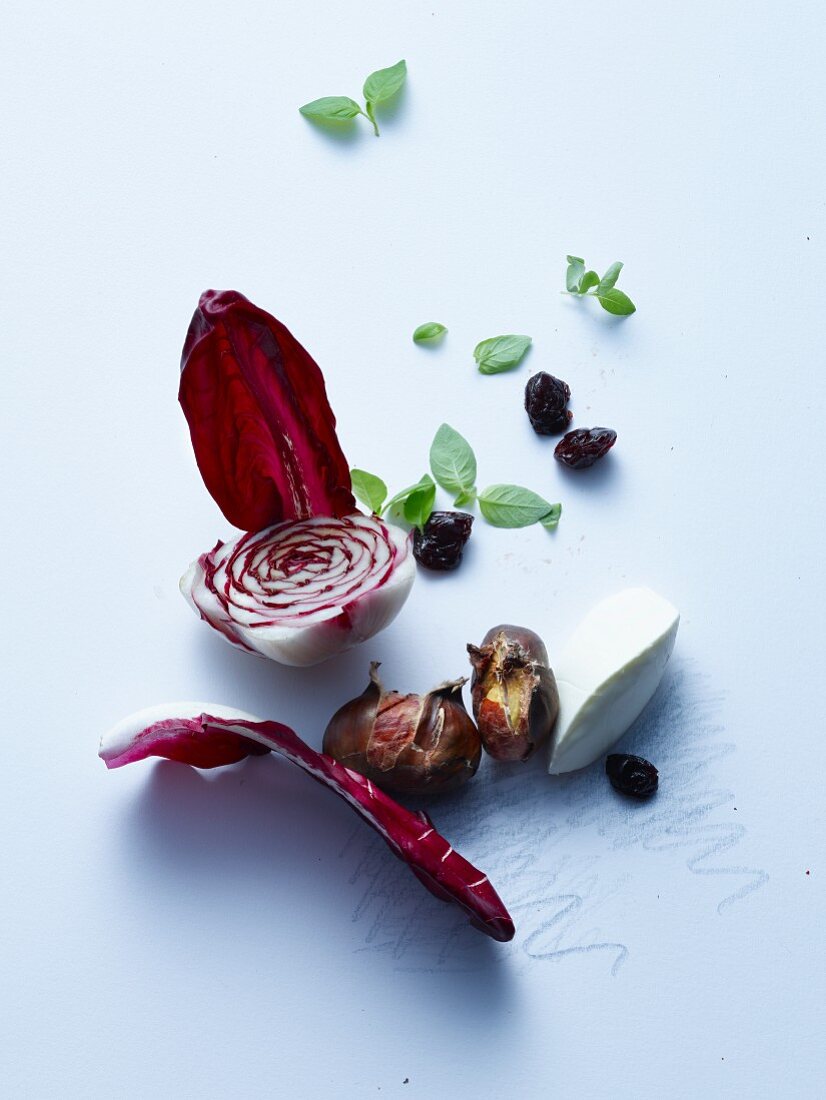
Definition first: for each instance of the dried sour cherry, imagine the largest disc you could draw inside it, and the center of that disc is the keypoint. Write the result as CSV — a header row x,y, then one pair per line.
x,y
582,447
440,543
546,398
631,774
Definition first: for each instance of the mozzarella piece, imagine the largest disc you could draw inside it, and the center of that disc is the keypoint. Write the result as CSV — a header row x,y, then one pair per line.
x,y
607,673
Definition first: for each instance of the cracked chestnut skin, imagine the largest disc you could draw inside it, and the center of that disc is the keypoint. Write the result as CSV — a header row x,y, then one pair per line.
x,y
408,744
514,693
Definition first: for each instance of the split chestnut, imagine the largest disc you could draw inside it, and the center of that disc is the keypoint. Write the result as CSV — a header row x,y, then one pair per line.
x,y
515,698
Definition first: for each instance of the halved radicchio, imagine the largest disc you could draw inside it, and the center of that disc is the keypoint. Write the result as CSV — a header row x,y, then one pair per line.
x,y
311,576
305,590
208,736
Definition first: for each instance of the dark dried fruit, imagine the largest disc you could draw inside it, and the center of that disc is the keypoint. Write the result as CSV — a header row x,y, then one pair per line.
x,y
546,398
584,446
631,774
440,543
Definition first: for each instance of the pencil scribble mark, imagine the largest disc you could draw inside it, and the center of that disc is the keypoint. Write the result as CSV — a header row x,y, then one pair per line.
x,y
555,847
619,948
681,821
713,840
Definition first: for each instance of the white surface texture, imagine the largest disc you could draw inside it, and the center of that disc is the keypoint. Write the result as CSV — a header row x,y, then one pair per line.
x,y
166,933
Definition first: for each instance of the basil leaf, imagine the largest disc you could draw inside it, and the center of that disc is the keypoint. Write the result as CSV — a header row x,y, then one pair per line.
x,y
589,279
430,330
500,353
615,301
550,521
576,269
452,461
419,505
395,503
369,489
467,496
610,277
331,108
384,83
513,506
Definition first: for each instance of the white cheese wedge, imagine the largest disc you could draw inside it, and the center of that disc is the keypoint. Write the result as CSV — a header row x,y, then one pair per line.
x,y
607,673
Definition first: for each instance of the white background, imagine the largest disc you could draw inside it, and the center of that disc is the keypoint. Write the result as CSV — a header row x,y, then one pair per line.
x,y
167,934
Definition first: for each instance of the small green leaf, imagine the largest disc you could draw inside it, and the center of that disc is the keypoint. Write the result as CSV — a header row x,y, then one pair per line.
x,y
419,505
369,489
430,330
500,353
610,277
331,108
513,506
452,461
614,301
384,83
589,279
467,496
550,521
395,504
576,269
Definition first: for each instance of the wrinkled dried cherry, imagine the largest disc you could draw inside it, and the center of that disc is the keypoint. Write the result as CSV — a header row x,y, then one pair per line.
x,y
546,398
440,543
631,774
584,446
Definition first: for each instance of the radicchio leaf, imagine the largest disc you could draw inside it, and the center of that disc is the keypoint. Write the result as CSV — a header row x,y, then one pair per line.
x,y
261,425
207,736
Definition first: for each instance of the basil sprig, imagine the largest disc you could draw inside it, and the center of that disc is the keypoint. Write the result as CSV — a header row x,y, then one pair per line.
x,y
453,465
500,353
379,86
580,283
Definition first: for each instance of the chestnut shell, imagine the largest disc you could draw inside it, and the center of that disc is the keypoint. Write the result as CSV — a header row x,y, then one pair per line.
x,y
408,744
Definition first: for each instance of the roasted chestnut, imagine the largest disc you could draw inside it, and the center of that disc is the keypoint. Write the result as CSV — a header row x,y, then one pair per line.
x,y
406,743
515,701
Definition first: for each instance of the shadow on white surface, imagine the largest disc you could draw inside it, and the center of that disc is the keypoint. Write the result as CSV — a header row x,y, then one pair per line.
x,y
298,697
605,476
615,324
394,111
338,133
259,846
